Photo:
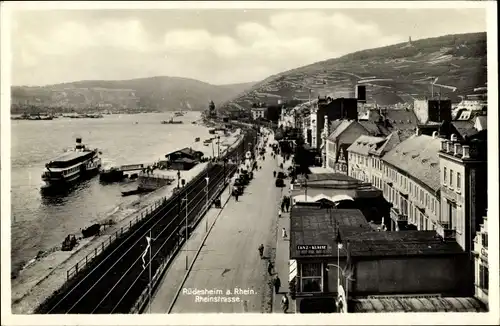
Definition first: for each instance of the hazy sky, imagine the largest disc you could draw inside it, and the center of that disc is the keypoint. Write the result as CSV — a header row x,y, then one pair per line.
x,y
216,46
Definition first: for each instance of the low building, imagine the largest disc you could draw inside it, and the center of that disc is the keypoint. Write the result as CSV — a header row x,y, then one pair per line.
x,y
369,263
183,159
341,191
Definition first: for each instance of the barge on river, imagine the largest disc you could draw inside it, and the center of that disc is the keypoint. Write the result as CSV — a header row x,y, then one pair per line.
x,y
76,164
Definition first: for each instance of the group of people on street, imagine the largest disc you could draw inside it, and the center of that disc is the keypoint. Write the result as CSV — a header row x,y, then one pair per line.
x,y
285,204
276,281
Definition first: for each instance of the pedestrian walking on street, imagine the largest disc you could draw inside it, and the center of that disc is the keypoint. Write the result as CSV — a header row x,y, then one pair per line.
x,y
236,196
277,285
283,204
284,303
261,250
270,268
287,203
283,233
274,174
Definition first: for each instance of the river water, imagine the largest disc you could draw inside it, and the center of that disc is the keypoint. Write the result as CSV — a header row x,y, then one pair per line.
x,y
40,222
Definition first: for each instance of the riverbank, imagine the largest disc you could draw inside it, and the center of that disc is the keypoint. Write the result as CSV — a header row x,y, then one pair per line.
x,y
39,280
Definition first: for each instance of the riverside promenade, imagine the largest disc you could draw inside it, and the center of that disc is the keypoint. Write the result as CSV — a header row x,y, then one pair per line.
x,y
40,280
228,262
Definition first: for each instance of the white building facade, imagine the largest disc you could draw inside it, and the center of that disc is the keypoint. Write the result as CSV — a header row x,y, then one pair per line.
x,y
481,262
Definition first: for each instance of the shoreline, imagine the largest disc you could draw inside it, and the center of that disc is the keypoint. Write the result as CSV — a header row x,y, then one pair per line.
x,y
39,279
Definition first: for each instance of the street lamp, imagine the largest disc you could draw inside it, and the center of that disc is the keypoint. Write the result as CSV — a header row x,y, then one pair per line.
x,y
186,227
338,241
218,147
178,178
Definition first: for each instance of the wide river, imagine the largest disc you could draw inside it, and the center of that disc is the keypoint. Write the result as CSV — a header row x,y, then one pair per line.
x,y
42,223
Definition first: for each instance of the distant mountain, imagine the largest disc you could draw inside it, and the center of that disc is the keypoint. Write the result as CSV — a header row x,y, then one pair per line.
x,y
409,68
155,93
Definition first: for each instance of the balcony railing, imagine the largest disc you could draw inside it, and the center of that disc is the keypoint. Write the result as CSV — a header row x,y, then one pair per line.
x,y
446,233
400,217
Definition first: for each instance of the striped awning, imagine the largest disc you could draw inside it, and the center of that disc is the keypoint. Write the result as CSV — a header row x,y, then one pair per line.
x,y
292,269
418,304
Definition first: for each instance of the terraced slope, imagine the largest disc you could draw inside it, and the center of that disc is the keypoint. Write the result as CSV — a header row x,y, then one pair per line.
x,y
458,60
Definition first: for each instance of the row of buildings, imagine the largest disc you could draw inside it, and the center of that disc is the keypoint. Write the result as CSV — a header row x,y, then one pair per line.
x,y
431,167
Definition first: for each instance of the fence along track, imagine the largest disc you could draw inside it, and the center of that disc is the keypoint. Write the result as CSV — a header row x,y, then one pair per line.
x,y
82,296
159,254
74,299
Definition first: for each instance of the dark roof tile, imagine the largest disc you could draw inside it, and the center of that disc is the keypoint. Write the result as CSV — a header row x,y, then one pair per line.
x,y
465,127
415,156
363,144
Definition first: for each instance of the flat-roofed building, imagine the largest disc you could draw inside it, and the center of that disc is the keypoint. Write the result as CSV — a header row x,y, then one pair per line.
x,y
369,263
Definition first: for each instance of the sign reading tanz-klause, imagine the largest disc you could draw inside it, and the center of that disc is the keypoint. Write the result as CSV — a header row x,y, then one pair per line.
x,y
311,247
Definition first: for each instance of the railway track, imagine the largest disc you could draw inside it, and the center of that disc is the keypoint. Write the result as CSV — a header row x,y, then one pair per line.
x,y
113,281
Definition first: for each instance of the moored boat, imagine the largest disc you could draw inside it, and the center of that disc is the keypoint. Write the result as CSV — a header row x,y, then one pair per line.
x,y
71,166
171,121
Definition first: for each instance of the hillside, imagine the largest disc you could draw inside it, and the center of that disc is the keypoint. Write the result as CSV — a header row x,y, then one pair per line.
x,y
155,93
458,60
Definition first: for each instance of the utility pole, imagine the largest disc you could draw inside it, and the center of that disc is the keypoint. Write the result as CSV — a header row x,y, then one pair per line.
x,y
206,193
186,227
218,147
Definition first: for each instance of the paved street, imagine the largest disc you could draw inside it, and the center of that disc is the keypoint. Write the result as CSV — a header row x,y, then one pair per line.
x,y
229,259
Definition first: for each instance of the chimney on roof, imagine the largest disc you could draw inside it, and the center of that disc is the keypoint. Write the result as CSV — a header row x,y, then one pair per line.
x,y
456,149
453,137
465,151
418,131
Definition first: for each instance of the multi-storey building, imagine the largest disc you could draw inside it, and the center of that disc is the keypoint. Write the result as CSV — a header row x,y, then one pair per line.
x,y
342,134
360,163
376,172
432,110
481,262
411,182
463,186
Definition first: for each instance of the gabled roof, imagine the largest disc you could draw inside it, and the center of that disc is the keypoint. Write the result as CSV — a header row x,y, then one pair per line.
x,y
374,128
186,151
363,144
418,157
401,119
344,124
465,128
482,121
389,143
334,125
